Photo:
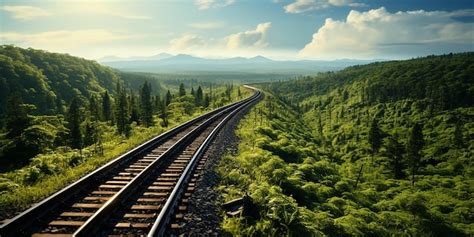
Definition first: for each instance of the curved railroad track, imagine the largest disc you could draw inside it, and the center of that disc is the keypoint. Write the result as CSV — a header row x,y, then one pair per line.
x,y
139,193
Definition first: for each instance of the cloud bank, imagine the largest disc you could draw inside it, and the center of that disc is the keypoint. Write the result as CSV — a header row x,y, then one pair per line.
x,y
378,33
25,12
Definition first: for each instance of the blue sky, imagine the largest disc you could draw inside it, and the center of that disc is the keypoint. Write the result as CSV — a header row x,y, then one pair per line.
x,y
279,29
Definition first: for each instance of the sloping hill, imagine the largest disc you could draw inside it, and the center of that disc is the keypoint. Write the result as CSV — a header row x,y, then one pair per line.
x,y
48,79
378,150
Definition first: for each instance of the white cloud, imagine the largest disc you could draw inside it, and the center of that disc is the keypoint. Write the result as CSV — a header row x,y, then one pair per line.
x,y
207,4
378,32
300,6
207,25
25,12
187,42
249,39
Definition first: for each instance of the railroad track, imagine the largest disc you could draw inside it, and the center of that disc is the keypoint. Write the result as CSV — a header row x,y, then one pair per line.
x,y
142,192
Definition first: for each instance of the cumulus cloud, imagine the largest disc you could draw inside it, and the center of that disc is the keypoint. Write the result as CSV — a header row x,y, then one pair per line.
x,y
187,42
207,25
300,6
249,39
207,4
378,32
25,12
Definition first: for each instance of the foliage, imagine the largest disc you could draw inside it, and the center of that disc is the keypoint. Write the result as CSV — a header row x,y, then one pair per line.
x,y
311,140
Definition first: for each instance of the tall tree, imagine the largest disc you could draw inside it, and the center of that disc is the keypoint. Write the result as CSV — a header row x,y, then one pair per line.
x,y
414,146
207,101
74,120
182,91
168,98
106,107
146,105
192,91
94,108
375,136
122,113
134,110
395,151
199,96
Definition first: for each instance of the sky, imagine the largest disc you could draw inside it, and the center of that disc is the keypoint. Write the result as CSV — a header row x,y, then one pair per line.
x,y
278,29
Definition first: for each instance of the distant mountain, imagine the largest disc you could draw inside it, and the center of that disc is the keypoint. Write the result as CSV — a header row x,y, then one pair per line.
x,y
184,62
113,58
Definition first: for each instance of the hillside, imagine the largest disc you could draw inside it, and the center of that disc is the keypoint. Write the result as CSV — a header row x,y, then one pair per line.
x,y
376,150
48,79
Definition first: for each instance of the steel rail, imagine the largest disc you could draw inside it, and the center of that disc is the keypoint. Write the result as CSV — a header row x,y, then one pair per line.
x,y
20,222
164,217
101,215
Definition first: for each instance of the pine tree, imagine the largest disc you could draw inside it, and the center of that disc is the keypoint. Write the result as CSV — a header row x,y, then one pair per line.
x,y
122,113
168,98
106,107
146,105
207,101
395,152
182,91
199,96
74,120
375,136
94,108
239,94
134,111
414,146
192,91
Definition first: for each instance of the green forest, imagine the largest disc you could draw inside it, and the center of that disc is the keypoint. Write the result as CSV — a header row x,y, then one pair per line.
x,y
62,117
383,149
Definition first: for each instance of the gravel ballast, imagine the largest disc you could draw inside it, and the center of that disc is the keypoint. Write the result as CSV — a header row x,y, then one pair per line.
x,y
204,214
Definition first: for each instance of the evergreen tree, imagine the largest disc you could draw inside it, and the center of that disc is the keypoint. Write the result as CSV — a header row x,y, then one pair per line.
x,y
207,101
90,134
182,91
199,96
395,152
375,136
239,94
168,98
192,91
146,105
134,113
74,120
106,107
94,108
122,113
414,146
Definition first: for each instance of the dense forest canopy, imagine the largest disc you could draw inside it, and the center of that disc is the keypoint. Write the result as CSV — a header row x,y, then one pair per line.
x,y
383,149
48,80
